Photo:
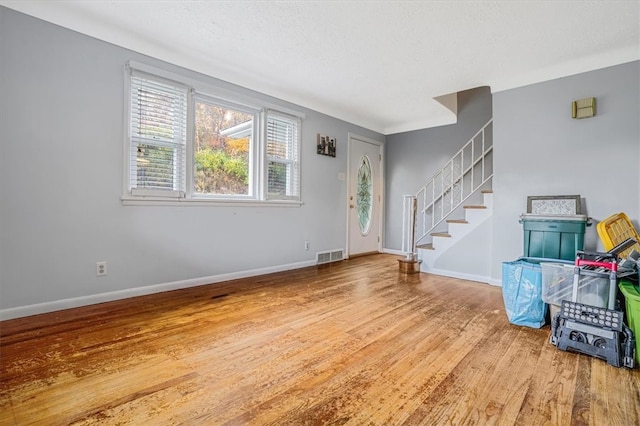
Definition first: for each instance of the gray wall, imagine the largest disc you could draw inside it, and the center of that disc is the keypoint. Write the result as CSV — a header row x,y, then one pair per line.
x,y
61,130
540,150
411,158
61,134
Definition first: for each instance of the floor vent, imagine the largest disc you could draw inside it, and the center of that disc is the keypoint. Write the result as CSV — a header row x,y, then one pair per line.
x,y
330,256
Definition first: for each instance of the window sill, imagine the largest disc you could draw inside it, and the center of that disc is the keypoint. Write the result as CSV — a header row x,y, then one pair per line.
x,y
203,202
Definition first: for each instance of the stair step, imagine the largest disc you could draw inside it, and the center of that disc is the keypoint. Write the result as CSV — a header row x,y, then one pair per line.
x,y
427,246
441,234
487,191
456,221
475,207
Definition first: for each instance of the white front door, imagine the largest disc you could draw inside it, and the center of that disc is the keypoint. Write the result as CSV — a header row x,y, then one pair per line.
x,y
365,196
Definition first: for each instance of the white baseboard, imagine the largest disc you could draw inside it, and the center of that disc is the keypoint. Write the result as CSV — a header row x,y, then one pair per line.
x,y
57,305
496,282
459,275
396,252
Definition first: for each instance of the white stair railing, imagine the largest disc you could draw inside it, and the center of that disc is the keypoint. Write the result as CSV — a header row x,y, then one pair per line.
x,y
467,171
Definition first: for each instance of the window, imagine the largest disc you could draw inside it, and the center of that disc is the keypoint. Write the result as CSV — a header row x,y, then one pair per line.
x,y
364,195
223,144
188,145
158,118
282,157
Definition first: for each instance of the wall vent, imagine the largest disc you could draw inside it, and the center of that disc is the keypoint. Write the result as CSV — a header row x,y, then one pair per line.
x,y
329,256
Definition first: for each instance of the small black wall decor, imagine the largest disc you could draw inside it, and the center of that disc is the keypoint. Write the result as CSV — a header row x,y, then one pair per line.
x,y
326,145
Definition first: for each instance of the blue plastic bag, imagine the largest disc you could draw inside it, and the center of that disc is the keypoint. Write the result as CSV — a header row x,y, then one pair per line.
x,y
522,293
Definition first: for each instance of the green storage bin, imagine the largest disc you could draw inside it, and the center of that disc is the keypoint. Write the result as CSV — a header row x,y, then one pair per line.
x,y
631,294
553,237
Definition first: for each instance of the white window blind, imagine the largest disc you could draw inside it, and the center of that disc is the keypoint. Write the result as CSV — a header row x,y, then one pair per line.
x,y
158,137
283,163
186,141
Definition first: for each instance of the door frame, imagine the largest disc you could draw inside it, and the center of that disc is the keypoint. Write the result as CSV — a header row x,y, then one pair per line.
x,y
380,173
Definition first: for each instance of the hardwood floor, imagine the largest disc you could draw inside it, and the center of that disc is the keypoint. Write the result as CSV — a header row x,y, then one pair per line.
x,y
349,343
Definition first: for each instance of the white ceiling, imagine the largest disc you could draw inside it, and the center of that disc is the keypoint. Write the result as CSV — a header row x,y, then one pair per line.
x,y
378,64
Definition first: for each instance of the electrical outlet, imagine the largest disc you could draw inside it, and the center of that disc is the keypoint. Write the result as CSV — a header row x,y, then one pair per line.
x,y
101,269
307,245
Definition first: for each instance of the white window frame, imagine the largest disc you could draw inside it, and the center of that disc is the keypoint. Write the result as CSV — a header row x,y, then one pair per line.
x,y
179,177
293,182
202,91
254,157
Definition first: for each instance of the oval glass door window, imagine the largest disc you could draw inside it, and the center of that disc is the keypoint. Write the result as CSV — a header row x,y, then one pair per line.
x,y
364,200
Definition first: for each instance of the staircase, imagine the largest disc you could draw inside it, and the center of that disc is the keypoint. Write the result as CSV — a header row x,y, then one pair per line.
x,y
453,205
455,233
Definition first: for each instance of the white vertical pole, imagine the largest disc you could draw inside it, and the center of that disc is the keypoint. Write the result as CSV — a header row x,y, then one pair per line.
x,y
483,154
473,161
409,210
433,202
442,194
462,175
451,189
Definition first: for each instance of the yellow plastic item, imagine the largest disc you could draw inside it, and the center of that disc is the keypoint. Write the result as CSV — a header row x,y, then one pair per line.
x,y
616,229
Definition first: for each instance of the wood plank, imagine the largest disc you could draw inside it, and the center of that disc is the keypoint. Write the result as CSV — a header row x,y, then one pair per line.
x,y
441,234
352,342
457,221
428,246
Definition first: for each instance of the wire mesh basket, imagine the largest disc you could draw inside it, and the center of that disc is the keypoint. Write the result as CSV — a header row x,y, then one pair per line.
x,y
614,230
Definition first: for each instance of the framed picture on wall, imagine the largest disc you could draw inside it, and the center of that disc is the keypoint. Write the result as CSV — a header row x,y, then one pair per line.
x,y
326,145
554,204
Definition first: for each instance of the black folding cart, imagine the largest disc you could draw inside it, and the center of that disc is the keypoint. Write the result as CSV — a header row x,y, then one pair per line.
x,y
596,328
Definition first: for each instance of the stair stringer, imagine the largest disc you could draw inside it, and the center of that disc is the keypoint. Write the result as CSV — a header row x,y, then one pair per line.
x,y
478,221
